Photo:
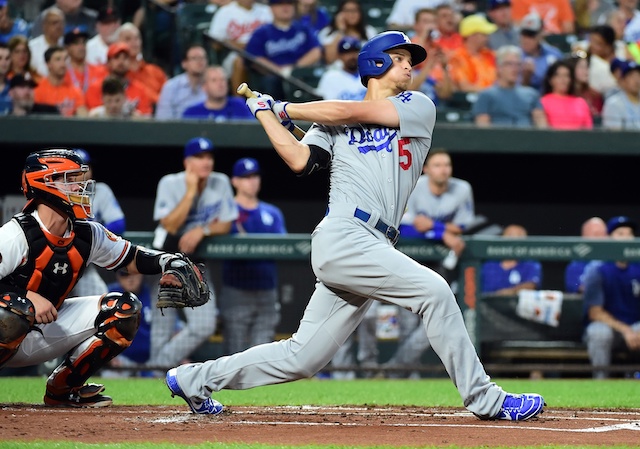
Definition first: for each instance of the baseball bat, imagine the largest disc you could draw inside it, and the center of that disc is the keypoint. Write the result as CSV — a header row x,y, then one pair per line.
x,y
243,89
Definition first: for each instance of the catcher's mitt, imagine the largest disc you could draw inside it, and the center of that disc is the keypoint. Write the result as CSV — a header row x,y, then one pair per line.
x,y
182,284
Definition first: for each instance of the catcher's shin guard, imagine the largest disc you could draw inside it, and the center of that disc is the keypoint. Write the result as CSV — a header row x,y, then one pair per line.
x,y
17,317
117,324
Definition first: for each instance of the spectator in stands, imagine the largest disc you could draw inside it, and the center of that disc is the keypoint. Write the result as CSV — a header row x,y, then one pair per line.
x,y
107,23
538,55
612,303
281,46
343,82
592,228
52,33
5,66
403,13
21,58
507,103
473,66
22,102
602,53
218,106
312,15
621,110
185,89
508,277
80,73
580,63
137,354
557,15
53,90
10,26
118,63
149,75
448,38
249,306
507,34
430,76
75,15
563,108
189,206
234,24
114,101
348,20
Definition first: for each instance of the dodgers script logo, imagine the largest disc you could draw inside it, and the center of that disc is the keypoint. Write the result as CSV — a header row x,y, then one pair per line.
x,y
376,139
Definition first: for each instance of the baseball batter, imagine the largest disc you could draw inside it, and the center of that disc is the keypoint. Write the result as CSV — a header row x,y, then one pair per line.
x,y
376,148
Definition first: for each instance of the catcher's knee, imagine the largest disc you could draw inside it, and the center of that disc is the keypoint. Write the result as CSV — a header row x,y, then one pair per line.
x,y
119,318
17,317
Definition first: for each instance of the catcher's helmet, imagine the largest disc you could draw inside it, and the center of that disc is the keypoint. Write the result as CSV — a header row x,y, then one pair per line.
x,y
56,177
373,59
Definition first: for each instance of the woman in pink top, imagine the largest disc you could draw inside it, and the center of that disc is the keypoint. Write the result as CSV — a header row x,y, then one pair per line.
x,y
563,108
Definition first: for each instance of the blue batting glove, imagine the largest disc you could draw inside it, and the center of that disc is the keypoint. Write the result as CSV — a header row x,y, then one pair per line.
x,y
260,103
279,108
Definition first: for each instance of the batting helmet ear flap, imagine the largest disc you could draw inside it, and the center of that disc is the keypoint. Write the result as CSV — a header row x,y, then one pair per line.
x,y
373,59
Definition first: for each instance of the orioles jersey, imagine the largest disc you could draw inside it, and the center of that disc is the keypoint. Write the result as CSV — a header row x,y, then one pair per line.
x,y
33,259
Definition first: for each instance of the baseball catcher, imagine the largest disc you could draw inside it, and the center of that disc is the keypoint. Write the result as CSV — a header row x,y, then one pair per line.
x,y
182,284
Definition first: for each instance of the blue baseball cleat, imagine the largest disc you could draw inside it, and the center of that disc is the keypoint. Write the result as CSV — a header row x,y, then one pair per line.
x,y
208,407
520,407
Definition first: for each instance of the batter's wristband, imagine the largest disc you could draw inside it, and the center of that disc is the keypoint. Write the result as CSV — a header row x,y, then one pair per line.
x,y
438,230
280,110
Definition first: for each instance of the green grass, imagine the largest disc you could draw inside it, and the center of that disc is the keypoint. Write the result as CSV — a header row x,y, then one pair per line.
x,y
425,392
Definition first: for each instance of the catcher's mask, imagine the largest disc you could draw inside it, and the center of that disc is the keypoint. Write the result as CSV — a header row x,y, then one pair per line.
x,y
56,177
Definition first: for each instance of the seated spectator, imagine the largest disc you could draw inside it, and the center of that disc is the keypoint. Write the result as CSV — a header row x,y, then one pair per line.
x,y
137,354
602,54
343,82
621,110
447,38
403,13
53,90
538,55
80,73
473,66
118,63
234,23
107,23
219,106
430,76
563,108
21,59
114,101
507,34
507,103
22,98
281,46
594,99
557,15
508,277
312,15
593,228
52,33
10,26
612,303
185,89
5,66
151,76
75,15
348,20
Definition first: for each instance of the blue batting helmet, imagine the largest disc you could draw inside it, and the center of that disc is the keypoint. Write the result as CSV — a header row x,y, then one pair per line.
x,y
373,59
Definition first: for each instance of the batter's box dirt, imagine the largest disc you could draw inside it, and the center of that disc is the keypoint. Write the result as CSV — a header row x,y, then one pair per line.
x,y
393,426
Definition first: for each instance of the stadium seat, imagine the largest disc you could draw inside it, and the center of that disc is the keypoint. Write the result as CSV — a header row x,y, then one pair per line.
x,y
562,42
309,75
461,100
192,20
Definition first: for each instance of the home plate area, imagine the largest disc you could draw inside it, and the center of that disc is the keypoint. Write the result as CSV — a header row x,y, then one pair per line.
x,y
391,426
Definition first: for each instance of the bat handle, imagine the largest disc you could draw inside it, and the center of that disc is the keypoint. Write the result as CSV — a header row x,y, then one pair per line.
x,y
243,89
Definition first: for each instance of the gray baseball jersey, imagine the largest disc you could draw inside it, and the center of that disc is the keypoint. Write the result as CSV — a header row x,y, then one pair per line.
x,y
373,169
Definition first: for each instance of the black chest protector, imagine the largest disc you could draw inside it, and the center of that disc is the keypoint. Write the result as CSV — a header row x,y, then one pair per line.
x,y
54,264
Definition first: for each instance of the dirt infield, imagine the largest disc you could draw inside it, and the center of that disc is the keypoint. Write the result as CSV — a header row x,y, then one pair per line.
x,y
394,426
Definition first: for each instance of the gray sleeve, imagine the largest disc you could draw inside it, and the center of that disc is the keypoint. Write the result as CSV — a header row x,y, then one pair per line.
x,y
613,114
415,110
228,206
165,199
320,136
466,211
481,105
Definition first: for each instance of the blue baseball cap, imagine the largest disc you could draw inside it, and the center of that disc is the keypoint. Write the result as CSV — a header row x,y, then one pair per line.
x,y
198,145
3,3
619,222
82,153
245,167
493,4
349,43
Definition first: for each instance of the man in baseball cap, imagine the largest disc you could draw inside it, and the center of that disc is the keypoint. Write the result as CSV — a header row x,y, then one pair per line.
x,y
22,98
621,221
108,22
246,166
343,83
500,14
538,55
198,145
619,111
